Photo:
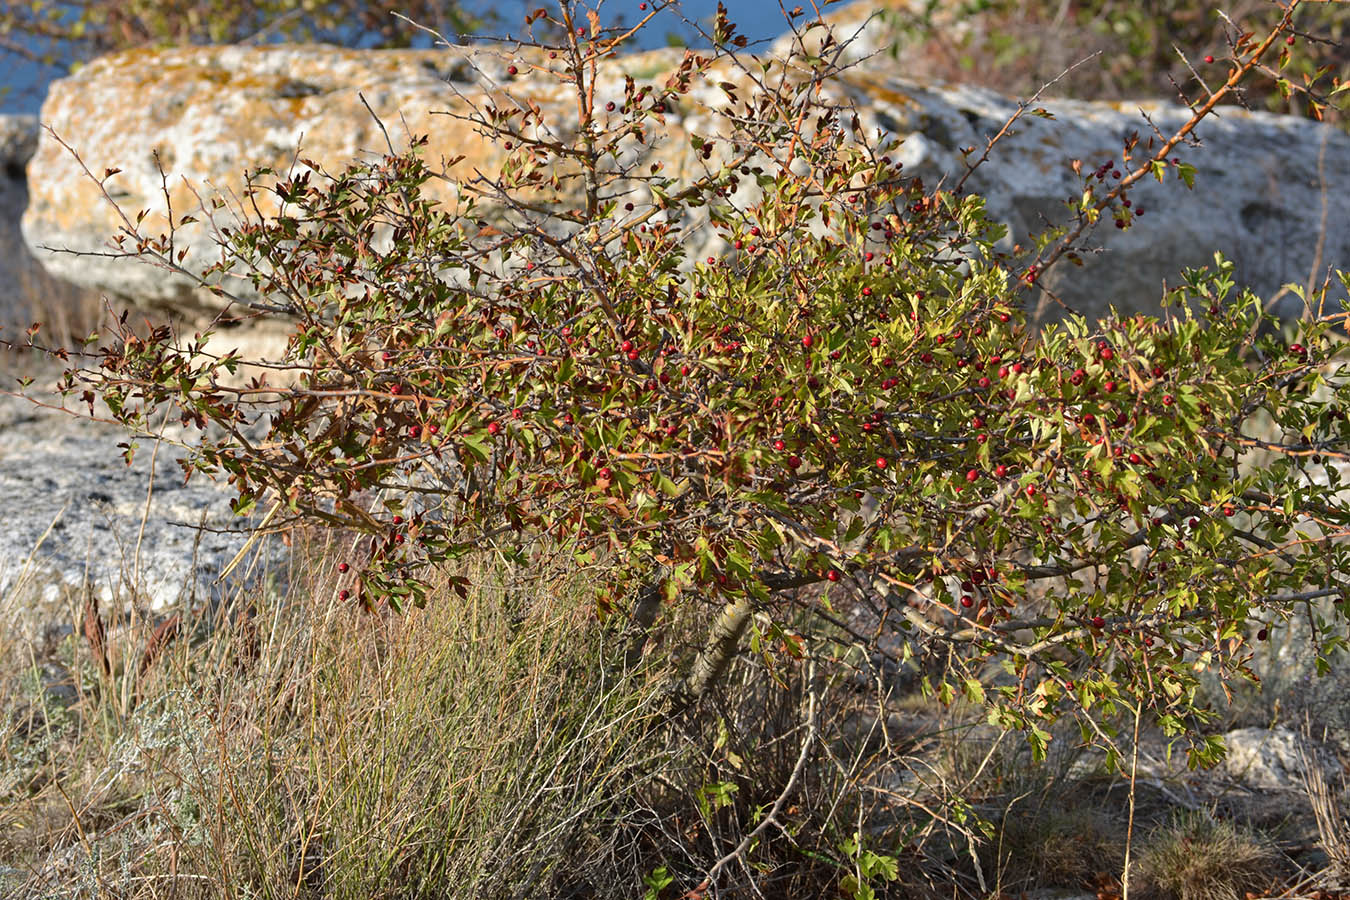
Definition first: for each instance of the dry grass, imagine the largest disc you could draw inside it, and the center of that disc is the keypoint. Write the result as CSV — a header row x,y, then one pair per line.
x,y
285,744
289,745
1197,857
309,749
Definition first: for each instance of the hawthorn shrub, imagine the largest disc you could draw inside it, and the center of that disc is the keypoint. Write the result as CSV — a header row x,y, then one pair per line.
x,y
836,431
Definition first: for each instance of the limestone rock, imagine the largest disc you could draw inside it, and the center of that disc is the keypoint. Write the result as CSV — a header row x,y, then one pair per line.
x,y
1270,759
18,140
77,515
205,114
1266,190
27,292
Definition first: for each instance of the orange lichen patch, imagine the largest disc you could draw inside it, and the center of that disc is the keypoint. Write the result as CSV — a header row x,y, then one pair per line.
x,y
877,89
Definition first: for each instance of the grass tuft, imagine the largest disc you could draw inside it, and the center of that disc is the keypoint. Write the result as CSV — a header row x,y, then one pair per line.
x,y
1198,857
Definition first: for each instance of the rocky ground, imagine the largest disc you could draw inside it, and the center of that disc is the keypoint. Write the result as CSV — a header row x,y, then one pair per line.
x,y
77,515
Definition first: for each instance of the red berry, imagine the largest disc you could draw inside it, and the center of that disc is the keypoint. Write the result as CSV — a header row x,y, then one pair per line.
x,y
343,595
1000,470
1229,510
342,567
606,473
807,341
1262,634
779,445
1209,59
1135,459
511,70
626,346
881,462
794,461
1031,490
494,428
967,601
397,520
972,475
1098,622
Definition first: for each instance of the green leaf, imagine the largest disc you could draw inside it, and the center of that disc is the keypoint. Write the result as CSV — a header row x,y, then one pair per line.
x,y
477,446
1187,173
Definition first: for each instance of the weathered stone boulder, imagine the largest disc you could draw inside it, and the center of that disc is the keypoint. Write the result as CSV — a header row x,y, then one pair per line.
x,y
27,292
1266,190
1272,759
18,140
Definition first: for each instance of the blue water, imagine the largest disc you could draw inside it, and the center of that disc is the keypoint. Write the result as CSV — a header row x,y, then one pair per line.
x,y
23,83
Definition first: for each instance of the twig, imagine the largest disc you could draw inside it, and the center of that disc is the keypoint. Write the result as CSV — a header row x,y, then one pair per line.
x,y
812,727
1021,108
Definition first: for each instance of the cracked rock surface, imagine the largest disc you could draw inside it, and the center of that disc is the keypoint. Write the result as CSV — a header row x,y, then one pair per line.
x,y
76,515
